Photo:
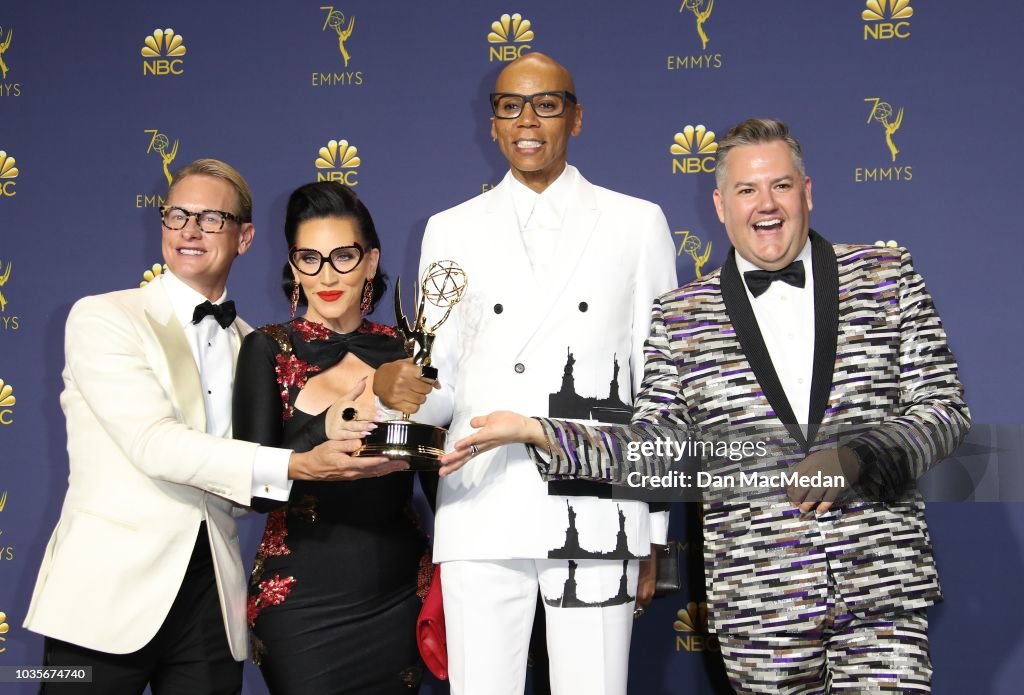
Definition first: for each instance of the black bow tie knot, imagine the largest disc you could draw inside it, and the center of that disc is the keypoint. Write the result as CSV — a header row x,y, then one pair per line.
x,y
224,313
760,280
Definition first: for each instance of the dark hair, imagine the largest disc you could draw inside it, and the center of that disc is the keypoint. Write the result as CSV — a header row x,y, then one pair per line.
x,y
321,199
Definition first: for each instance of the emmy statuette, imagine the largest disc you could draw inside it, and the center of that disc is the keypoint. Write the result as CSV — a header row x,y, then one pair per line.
x,y
443,285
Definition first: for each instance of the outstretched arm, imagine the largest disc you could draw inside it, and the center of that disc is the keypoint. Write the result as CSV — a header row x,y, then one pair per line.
x,y
596,452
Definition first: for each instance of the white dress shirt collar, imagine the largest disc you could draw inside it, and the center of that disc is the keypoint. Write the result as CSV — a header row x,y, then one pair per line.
x,y
785,317
184,299
550,204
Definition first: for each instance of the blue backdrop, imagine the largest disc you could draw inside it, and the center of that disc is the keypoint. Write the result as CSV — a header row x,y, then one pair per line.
x,y
905,110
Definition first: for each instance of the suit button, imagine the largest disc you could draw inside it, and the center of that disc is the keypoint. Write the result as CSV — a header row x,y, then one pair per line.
x,y
520,367
584,306
498,308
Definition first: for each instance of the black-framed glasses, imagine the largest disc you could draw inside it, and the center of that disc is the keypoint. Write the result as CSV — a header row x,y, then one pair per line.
x,y
343,259
210,221
506,105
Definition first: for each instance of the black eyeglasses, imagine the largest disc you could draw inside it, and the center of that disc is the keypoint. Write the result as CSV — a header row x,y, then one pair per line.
x,y
343,259
507,106
210,221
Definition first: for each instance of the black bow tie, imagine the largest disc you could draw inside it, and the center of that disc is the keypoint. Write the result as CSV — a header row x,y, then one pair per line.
x,y
321,347
224,313
760,280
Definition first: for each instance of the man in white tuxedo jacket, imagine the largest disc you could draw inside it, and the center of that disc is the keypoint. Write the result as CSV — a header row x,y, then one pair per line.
x,y
561,276
142,578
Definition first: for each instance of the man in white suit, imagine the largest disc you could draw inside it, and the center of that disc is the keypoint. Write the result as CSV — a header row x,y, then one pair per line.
x,y
142,579
561,276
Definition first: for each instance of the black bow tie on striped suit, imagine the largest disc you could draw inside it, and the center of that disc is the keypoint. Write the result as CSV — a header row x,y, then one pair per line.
x,y
224,313
760,280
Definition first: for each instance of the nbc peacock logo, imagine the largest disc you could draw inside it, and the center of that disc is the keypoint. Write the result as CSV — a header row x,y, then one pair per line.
x,y
152,273
163,52
887,19
8,172
4,629
338,161
7,402
692,622
509,38
693,150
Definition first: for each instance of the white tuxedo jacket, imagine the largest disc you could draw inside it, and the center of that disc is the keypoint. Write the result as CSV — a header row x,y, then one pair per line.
x,y
506,346
143,475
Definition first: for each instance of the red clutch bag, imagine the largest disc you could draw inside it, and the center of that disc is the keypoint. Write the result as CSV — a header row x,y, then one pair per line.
x,y
430,635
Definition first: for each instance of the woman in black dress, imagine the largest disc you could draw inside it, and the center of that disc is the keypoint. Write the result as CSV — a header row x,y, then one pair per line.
x,y
333,593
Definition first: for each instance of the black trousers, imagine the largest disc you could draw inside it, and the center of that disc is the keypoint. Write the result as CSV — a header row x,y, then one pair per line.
x,y
189,655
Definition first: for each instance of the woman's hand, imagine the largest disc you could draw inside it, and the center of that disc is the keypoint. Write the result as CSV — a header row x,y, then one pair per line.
x,y
497,429
347,419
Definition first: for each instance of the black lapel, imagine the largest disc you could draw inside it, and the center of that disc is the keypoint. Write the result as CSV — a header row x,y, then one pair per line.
x,y
826,327
742,316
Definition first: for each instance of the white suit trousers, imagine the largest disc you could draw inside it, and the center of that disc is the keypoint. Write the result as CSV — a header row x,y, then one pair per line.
x,y
489,608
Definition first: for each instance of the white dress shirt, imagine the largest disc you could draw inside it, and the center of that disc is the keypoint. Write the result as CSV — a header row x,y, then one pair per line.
x,y
785,315
540,216
214,355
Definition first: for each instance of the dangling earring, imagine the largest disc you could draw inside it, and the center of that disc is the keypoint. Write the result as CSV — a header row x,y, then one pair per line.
x,y
367,303
295,298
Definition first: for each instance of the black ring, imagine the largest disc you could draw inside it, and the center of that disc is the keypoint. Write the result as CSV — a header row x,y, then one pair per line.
x,y
348,414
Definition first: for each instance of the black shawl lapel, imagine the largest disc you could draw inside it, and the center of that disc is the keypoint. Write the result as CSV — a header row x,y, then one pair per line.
x,y
826,328
826,333
752,342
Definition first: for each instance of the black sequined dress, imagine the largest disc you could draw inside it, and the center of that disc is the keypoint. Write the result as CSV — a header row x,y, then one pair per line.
x,y
333,592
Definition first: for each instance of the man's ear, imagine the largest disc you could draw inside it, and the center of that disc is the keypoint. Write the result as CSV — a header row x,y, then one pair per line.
x,y
246,237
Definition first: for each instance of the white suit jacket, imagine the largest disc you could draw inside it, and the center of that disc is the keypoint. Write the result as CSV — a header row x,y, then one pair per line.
x,y
506,346
143,475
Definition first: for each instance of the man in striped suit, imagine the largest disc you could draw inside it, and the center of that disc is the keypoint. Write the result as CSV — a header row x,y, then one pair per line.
x,y
831,359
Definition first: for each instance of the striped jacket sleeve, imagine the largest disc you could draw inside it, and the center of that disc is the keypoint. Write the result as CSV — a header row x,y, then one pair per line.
x,y
931,418
612,452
